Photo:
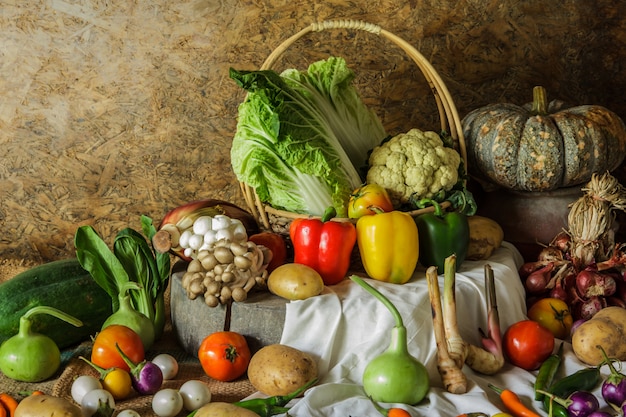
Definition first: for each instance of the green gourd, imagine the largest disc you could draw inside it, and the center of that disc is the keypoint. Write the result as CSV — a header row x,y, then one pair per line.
x,y
29,356
542,146
126,315
394,376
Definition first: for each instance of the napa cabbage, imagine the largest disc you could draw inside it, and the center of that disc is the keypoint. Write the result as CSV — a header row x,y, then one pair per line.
x,y
302,136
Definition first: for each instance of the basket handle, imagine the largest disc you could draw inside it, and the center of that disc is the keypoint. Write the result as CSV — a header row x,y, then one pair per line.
x,y
448,114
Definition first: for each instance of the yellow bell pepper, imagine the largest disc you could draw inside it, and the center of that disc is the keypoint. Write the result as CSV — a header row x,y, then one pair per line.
x,y
389,246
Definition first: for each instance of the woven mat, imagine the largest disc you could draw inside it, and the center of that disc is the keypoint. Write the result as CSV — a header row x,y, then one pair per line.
x,y
72,367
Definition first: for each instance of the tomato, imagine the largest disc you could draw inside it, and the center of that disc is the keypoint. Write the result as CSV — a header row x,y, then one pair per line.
x,y
554,315
224,356
104,353
368,198
527,344
118,382
275,243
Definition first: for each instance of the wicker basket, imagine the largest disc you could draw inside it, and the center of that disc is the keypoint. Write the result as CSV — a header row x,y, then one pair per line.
x,y
277,220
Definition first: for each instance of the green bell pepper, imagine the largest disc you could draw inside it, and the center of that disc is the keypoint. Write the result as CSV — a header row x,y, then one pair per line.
x,y
441,234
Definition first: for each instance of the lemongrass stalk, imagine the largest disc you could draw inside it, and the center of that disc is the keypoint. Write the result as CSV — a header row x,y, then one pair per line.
x,y
452,376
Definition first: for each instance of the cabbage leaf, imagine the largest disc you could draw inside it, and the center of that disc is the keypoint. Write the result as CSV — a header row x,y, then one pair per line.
x,y
301,136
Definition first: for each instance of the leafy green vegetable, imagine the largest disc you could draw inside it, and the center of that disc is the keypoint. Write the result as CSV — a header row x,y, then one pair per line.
x,y
132,259
300,136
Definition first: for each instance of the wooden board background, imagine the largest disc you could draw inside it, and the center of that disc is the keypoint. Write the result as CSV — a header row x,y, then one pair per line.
x,y
110,110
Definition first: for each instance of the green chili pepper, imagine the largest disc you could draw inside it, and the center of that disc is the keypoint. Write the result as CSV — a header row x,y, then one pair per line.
x,y
586,379
441,234
271,406
547,372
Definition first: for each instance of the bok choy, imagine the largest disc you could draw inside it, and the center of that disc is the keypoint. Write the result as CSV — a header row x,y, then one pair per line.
x,y
132,259
302,136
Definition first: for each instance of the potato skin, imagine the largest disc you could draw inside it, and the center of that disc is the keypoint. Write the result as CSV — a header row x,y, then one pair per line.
x,y
295,282
46,406
280,369
221,409
486,236
606,328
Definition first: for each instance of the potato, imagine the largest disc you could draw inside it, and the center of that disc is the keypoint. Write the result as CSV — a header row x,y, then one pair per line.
x,y
46,406
280,369
486,236
295,282
606,328
219,409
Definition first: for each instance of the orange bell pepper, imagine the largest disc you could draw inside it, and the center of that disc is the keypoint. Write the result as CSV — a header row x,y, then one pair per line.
x,y
389,246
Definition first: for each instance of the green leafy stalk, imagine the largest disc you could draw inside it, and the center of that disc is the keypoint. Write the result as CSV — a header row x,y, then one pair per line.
x,y
163,265
131,260
95,257
136,256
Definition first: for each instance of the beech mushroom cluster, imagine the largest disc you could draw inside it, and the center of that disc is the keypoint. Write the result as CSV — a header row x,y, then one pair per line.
x,y
226,270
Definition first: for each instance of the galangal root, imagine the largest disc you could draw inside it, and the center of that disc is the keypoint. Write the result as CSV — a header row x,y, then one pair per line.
x,y
452,351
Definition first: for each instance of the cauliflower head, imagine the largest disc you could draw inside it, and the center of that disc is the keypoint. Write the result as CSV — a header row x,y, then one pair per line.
x,y
415,162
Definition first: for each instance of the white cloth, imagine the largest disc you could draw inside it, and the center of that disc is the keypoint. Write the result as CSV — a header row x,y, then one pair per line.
x,y
346,327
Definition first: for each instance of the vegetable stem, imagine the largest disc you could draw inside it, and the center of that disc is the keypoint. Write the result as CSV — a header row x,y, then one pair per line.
x,y
452,376
52,312
373,291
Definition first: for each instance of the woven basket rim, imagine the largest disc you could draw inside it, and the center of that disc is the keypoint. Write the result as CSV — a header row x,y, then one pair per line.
x,y
449,116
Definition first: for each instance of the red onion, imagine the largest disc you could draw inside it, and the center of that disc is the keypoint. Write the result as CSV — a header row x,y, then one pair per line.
x,y
591,283
590,307
538,280
550,254
615,301
576,325
559,292
562,241
530,267
620,291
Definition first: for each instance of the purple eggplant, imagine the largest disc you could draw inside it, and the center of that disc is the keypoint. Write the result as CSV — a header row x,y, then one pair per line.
x,y
600,414
582,403
146,376
614,386
579,404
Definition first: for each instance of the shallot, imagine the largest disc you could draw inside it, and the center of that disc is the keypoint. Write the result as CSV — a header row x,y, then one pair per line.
x,y
550,254
538,280
588,308
590,283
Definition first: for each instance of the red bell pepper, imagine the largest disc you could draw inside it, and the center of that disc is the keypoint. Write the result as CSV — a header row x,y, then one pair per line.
x,y
324,245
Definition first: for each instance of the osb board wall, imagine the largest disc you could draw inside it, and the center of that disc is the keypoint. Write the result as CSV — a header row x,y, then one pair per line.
x,y
110,110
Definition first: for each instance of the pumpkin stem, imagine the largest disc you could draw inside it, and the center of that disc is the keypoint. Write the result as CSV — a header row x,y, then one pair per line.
x,y
540,101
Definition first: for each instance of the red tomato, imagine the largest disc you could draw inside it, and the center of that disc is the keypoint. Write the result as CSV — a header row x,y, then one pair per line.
x,y
275,243
368,198
105,354
224,356
554,315
527,344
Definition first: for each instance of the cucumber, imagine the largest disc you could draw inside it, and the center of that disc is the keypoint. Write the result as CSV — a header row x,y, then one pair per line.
x,y
62,284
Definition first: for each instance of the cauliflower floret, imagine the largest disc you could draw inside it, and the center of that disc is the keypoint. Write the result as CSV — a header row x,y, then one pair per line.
x,y
414,162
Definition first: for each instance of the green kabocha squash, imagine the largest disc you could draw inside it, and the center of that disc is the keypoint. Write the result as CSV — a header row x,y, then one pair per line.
x,y
542,146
